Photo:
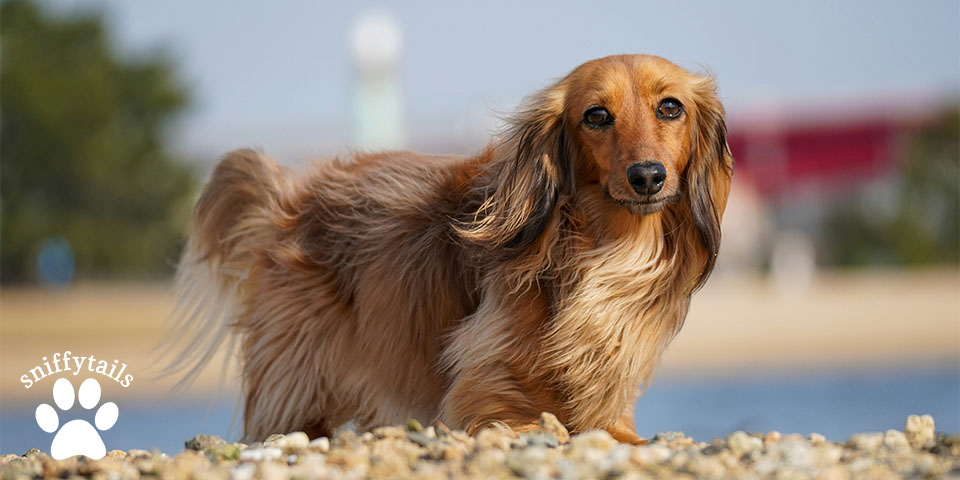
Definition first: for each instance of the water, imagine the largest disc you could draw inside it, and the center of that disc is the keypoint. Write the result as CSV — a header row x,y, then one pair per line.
x,y
834,404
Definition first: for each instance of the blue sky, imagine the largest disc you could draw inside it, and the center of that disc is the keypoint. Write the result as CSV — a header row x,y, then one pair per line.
x,y
278,74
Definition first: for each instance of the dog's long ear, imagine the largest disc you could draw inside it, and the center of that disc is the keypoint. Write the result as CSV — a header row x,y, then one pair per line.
x,y
513,197
709,170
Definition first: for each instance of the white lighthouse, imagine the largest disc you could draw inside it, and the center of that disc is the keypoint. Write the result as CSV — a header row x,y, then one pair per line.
x,y
376,43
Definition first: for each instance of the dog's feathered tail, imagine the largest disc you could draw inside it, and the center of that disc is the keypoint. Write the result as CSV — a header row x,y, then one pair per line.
x,y
232,220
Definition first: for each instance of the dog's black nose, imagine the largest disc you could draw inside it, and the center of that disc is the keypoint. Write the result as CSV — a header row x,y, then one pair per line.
x,y
647,178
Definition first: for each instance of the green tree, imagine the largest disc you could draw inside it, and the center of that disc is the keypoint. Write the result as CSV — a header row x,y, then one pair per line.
x,y
924,226
82,148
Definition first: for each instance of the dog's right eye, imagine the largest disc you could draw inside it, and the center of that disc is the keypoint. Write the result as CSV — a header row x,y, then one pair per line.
x,y
597,117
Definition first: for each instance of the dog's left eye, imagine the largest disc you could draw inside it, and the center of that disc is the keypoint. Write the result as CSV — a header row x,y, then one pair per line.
x,y
597,117
669,108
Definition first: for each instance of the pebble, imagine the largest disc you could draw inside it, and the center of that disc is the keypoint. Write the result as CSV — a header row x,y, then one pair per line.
x,y
537,439
895,440
261,454
865,441
439,452
741,443
320,444
492,439
203,442
599,439
391,432
527,462
919,431
294,441
650,454
550,424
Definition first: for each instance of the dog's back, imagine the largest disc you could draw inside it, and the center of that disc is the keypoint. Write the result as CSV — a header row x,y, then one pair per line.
x,y
341,283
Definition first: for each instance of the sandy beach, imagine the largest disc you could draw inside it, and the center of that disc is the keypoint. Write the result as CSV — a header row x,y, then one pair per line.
x,y
736,325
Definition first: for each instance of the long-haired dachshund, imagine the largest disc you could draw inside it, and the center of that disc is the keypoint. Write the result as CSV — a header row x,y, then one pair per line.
x,y
546,273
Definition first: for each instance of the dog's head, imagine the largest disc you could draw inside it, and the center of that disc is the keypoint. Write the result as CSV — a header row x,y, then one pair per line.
x,y
644,130
635,123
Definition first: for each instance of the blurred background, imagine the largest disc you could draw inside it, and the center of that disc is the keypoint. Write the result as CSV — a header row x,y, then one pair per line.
x,y
834,308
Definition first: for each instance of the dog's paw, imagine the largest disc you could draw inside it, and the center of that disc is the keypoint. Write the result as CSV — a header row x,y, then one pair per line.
x,y
624,435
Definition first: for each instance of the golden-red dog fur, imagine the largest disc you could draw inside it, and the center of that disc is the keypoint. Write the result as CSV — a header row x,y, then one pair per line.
x,y
482,290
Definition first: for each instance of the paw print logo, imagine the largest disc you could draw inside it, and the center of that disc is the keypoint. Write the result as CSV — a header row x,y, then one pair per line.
x,y
77,437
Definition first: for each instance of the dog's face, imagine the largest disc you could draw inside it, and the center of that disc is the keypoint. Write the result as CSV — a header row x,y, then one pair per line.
x,y
630,119
641,130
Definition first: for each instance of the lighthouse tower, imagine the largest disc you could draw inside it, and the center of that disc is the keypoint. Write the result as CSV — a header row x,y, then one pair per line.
x,y
376,44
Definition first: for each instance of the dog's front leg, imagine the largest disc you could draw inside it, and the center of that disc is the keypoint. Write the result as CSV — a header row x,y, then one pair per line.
x,y
624,430
492,359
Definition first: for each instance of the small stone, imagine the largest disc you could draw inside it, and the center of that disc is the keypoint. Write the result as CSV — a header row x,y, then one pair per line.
x,y
344,437
536,439
771,437
226,451
138,453
673,439
817,439
650,454
616,460
865,441
492,439
414,425
273,440
600,439
741,443
550,424
446,450
793,437
829,453
489,463
527,462
261,454
320,444
293,441
895,440
244,471
947,445
33,452
118,454
795,453
919,431
420,438
390,432
716,446
668,437
203,442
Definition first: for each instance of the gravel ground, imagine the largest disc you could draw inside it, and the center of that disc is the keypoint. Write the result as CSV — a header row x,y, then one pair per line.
x,y
411,451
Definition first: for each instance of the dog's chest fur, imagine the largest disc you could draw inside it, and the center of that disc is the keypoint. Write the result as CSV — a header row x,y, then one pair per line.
x,y
616,304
